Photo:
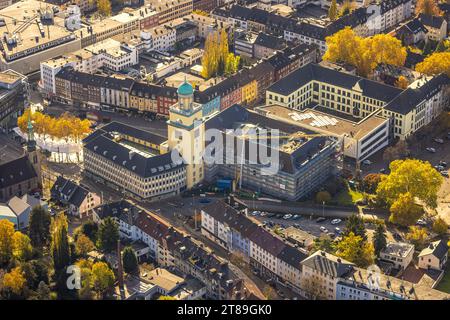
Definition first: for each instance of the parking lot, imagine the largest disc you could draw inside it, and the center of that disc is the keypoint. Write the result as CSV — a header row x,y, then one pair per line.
x,y
308,224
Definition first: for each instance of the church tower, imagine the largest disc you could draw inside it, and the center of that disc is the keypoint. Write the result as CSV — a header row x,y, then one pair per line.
x,y
186,131
31,150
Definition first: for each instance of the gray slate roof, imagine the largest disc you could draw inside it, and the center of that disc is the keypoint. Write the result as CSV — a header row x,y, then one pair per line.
x,y
16,171
328,264
103,144
312,71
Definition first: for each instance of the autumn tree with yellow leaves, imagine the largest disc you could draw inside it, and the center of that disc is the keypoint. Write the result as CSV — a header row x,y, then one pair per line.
x,y
409,181
65,127
429,7
217,60
436,63
333,11
355,249
364,53
14,281
104,7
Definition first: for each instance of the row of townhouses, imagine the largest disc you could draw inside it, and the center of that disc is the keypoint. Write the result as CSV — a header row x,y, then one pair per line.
x,y
247,86
366,21
121,52
170,248
110,54
316,276
265,251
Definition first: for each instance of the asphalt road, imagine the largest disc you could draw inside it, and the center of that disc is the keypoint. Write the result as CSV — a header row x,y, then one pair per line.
x,y
9,148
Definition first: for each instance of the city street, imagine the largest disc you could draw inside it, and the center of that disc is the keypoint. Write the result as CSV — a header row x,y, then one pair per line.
x,y
9,148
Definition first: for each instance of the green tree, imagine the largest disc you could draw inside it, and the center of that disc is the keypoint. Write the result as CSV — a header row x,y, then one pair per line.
x,y
379,239
89,229
355,249
355,225
6,241
324,243
60,248
412,176
35,271
440,226
39,227
333,11
404,211
130,263
102,279
108,235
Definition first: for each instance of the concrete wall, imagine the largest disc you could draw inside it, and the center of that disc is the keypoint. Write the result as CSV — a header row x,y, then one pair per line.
x,y
298,208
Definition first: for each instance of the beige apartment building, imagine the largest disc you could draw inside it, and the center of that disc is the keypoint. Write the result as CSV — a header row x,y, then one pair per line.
x,y
357,97
169,10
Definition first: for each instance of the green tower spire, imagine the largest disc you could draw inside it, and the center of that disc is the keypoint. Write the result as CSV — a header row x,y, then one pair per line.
x,y
31,144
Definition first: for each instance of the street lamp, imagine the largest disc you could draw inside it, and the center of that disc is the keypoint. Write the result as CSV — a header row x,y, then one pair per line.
x,y
323,209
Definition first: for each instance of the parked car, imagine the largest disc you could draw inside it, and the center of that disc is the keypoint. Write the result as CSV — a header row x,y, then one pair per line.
x,y
287,216
439,168
279,216
263,214
271,215
323,229
382,170
296,216
444,173
443,163
320,219
421,222
256,213
337,230
432,150
205,200
336,221
439,140
367,162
